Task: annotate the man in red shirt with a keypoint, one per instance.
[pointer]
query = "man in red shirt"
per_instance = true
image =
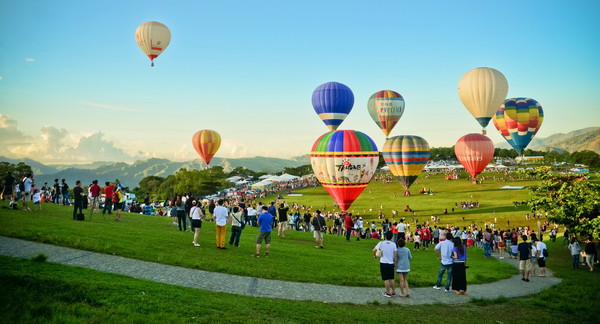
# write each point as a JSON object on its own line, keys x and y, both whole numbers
{"x": 108, "y": 197}
{"x": 348, "y": 225}
{"x": 95, "y": 195}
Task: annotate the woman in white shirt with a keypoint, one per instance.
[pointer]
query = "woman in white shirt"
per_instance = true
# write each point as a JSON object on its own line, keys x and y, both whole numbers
{"x": 196, "y": 215}
{"x": 386, "y": 263}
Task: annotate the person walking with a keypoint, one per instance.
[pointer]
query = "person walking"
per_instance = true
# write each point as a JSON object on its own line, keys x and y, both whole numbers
{"x": 590, "y": 253}
{"x": 444, "y": 253}
{"x": 196, "y": 215}
{"x": 386, "y": 263}
{"x": 318, "y": 223}
{"x": 402, "y": 265}
{"x": 459, "y": 273}
{"x": 575, "y": 249}
{"x": 237, "y": 225}
{"x": 265, "y": 221}
{"x": 541, "y": 256}
{"x": 220, "y": 214}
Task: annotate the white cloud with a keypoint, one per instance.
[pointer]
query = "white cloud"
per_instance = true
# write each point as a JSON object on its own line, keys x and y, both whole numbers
{"x": 1, "y": 78}
{"x": 55, "y": 145}
{"x": 29, "y": 59}
{"x": 103, "y": 106}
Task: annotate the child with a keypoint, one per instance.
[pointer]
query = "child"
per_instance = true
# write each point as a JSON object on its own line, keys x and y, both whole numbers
{"x": 13, "y": 204}
{"x": 37, "y": 198}
{"x": 417, "y": 239}
{"x": 514, "y": 250}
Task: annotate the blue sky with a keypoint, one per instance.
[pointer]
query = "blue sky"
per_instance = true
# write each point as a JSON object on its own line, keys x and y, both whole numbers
{"x": 75, "y": 87}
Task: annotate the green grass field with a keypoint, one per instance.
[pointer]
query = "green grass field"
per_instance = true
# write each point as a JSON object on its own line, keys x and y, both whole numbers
{"x": 43, "y": 292}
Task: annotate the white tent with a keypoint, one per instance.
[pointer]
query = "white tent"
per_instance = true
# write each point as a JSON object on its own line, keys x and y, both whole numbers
{"x": 266, "y": 176}
{"x": 262, "y": 184}
{"x": 287, "y": 177}
{"x": 234, "y": 179}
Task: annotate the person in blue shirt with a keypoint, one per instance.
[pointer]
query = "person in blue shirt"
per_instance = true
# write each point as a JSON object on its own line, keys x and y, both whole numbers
{"x": 265, "y": 222}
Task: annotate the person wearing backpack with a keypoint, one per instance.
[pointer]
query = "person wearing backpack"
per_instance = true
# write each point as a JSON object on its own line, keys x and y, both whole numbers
{"x": 542, "y": 254}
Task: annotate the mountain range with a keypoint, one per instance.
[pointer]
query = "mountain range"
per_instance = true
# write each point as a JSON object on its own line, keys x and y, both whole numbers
{"x": 131, "y": 174}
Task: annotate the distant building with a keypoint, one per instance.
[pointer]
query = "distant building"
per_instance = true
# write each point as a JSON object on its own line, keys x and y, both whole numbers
{"x": 525, "y": 159}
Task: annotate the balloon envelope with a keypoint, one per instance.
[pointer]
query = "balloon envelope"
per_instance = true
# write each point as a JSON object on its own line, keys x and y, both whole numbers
{"x": 474, "y": 152}
{"x": 386, "y": 107}
{"x": 518, "y": 120}
{"x": 206, "y": 142}
{"x": 482, "y": 91}
{"x": 406, "y": 156}
{"x": 153, "y": 38}
{"x": 332, "y": 102}
{"x": 344, "y": 162}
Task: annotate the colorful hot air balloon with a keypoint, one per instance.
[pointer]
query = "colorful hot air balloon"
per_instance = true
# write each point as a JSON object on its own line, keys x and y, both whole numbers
{"x": 406, "y": 156}
{"x": 153, "y": 38}
{"x": 332, "y": 101}
{"x": 206, "y": 142}
{"x": 386, "y": 107}
{"x": 518, "y": 120}
{"x": 474, "y": 152}
{"x": 344, "y": 162}
{"x": 482, "y": 91}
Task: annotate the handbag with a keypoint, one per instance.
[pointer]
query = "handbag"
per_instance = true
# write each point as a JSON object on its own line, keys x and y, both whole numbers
{"x": 242, "y": 223}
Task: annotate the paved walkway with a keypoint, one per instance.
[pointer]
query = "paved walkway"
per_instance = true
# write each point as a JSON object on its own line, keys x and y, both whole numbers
{"x": 249, "y": 286}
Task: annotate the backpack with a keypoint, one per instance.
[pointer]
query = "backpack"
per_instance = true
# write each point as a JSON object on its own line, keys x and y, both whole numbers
{"x": 545, "y": 253}
{"x": 22, "y": 185}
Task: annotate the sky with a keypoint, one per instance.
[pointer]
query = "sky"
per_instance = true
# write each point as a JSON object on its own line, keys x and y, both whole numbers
{"x": 76, "y": 88}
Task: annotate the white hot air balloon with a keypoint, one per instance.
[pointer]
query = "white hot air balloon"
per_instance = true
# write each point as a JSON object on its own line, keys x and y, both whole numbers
{"x": 482, "y": 91}
{"x": 153, "y": 38}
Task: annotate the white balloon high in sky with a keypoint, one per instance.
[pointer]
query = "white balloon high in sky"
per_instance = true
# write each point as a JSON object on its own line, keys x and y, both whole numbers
{"x": 482, "y": 91}
{"x": 153, "y": 38}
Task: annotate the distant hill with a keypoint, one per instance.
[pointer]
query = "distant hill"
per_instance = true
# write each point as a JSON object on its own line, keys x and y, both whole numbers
{"x": 131, "y": 174}
{"x": 578, "y": 140}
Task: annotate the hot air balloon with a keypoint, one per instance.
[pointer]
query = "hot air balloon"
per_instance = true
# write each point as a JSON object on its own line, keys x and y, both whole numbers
{"x": 153, "y": 38}
{"x": 206, "y": 142}
{"x": 406, "y": 156}
{"x": 344, "y": 162}
{"x": 332, "y": 101}
{"x": 386, "y": 107}
{"x": 518, "y": 120}
{"x": 482, "y": 91}
{"x": 474, "y": 152}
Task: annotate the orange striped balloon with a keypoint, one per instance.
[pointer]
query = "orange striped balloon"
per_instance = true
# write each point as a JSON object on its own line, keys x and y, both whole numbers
{"x": 206, "y": 142}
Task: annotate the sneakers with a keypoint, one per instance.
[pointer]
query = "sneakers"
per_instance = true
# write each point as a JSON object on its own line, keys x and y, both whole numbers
{"x": 385, "y": 294}
{"x": 196, "y": 244}
{"x": 256, "y": 255}
{"x": 436, "y": 287}
{"x": 446, "y": 290}
{"x": 526, "y": 280}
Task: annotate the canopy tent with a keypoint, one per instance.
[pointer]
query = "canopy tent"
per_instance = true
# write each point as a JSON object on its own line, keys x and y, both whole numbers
{"x": 266, "y": 176}
{"x": 262, "y": 184}
{"x": 234, "y": 179}
{"x": 287, "y": 177}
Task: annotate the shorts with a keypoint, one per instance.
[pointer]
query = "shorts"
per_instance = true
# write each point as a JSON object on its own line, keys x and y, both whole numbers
{"x": 542, "y": 262}
{"x": 26, "y": 197}
{"x": 196, "y": 223}
{"x": 402, "y": 272}
{"x": 266, "y": 236}
{"x": 36, "y": 202}
{"x": 387, "y": 271}
{"x": 589, "y": 258}
{"x": 118, "y": 206}
{"x": 500, "y": 245}
{"x": 318, "y": 235}
{"x": 533, "y": 259}
{"x": 524, "y": 265}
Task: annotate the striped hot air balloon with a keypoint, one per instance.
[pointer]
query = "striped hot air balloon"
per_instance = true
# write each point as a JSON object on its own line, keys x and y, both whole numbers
{"x": 386, "y": 107}
{"x": 406, "y": 156}
{"x": 206, "y": 142}
{"x": 332, "y": 102}
{"x": 518, "y": 120}
{"x": 344, "y": 162}
{"x": 482, "y": 91}
{"x": 474, "y": 152}
{"x": 153, "y": 38}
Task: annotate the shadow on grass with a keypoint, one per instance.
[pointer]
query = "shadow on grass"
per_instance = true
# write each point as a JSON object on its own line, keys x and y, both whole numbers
{"x": 488, "y": 302}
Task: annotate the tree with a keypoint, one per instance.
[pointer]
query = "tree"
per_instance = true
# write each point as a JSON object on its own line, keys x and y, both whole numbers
{"x": 589, "y": 158}
{"x": 299, "y": 171}
{"x": 569, "y": 199}
{"x": 150, "y": 184}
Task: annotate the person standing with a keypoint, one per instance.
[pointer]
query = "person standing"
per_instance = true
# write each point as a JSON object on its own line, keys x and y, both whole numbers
{"x": 196, "y": 215}
{"x": 575, "y": 249}
{"x": 95, "y": 196}
{"x": 436, "y": 235}
{"x": 27, "y": 182}
{"x": 401, "y": 227}
{"x": 56, "y": 192}
{"x": 386, "y": 263}
{"x": 541, "y": 256}
{"x": 283, "y": 219}
{"x": 524, "y": 255}
{"x": 487, "y": 242}
{"x": 108, "y": 197}
{"x": 181, "y": 216}
{"x": 402, "y": 263}
{"x": 251, "y": 215}
{"x": 318, "y": 223}
{"x": 64, "y": 191}
{"x": 220, "y": 214}
{"x": 118, "y": 202}
{"x": 265, "y": 221}
{"x": 444, "y": 253}
{"x": 77, "y": 199}
{"x": 590, "y": 253}
{"x": 348, "y": 224}
{"x": 237, "y": 217}
{"x": 459, "y": 273}
{"x": 9, "y": 183}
